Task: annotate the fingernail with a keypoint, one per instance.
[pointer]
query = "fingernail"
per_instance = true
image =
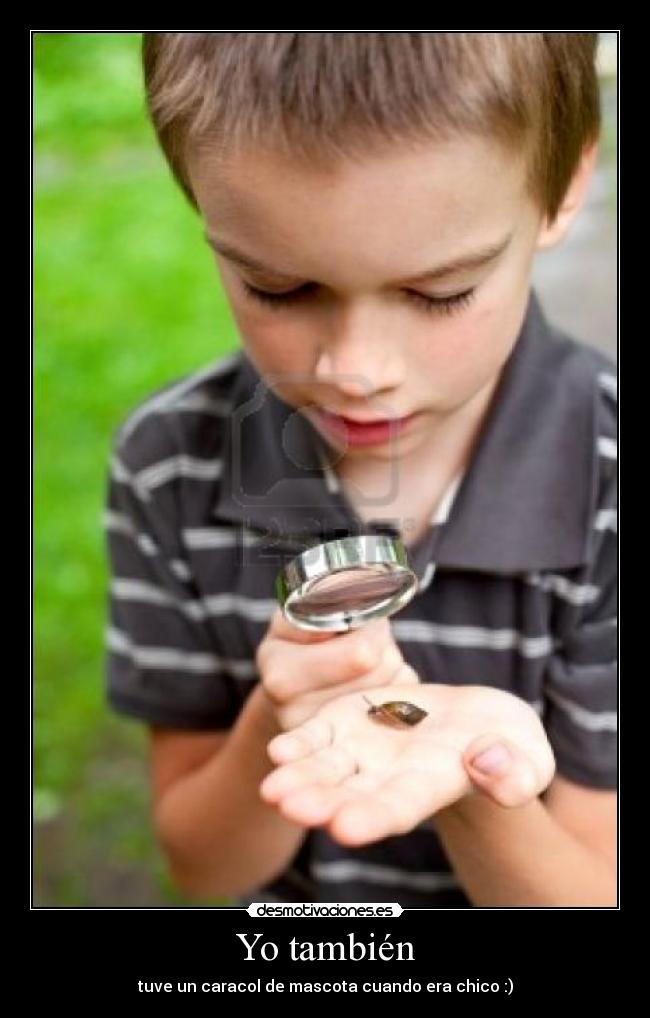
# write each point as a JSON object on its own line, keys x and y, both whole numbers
{"x": 495, "y": 760}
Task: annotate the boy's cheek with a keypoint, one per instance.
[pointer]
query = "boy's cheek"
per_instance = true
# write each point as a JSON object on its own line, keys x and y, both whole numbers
{"x": 271, "y": 347}
{"x": 470, "y": 354}
{"x": 462, "y": 350}
{"x": 491, "y": 332}
{"x": 255, "y": 330}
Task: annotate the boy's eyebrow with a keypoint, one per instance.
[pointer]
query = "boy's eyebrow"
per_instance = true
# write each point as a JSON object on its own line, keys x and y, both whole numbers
{"x": 470, "y": 261}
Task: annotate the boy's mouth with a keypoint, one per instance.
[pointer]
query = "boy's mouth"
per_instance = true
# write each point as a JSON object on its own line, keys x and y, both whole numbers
{"x": 353, "y": 433}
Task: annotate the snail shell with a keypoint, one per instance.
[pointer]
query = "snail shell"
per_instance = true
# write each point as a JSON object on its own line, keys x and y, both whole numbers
{"x": 397, "y": 713}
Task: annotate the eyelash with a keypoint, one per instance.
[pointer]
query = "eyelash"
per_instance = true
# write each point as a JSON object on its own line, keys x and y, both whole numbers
{"x": 432, "y": 305}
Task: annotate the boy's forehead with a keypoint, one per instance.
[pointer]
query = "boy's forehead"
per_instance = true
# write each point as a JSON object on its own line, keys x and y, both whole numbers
{"x": 390, "y": 217}
{"x": 452, "y": 181}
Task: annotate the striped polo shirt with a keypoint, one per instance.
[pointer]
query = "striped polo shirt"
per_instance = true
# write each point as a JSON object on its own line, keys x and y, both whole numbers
{"x": 215, "y": 483}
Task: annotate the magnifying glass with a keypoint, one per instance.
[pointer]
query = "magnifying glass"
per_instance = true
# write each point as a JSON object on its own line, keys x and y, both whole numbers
{"x": 344, "y": 583}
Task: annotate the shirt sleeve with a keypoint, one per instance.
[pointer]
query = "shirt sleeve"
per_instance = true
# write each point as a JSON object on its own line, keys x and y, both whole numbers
{"x": 163, "y": 663}
{"x": 580, "y": 693}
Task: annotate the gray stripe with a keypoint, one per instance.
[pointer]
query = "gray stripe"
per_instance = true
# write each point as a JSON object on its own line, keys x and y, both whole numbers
{"x": 166, "y": 658}
{"x": 591, "y": 721}
{"x": 146, "y": 545}
{"x": 180, "y": 569}
{"x": 165, "y": 401}
{"x": 220, "y": 537}
{"x": 122, "y": 475}
{"x": 608, "y": 448}
{"x": 606, "y": 519}
{"x": 429, "y": 573}
{"x": 178, "y": 466}
{"x": 119, "y": 472}
{"x": 200, "y": 403}
{"x": 609, "y": 384}
{"x": 119, "y": 523}
{"x": 416, "y": 631}
{"x": 573, "y": 592}
{"x": 257, "y": 610}
{"x": 605, "y": 673}
{"x": 162, "y": 657}
{"x": 139, "y": 590}
{"x": 346, "y": 871}
{"x": 240, "y": 669}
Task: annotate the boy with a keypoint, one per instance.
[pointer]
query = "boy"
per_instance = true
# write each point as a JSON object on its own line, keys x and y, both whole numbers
{"x": 374, "y": 202}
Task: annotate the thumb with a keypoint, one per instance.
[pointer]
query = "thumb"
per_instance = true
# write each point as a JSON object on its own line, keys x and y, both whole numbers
{"x": 501, "y": 771}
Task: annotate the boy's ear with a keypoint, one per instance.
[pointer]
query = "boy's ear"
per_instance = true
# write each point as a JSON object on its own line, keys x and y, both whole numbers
{"x": 552, "y": 233}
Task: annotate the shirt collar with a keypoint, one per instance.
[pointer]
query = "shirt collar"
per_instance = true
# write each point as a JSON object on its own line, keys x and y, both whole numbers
{"x": 529, "y": 494}
{"x": 524, "y": 503}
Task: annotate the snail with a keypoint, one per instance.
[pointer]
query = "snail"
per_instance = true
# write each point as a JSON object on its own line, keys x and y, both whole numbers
{"x": 396, "y": 713}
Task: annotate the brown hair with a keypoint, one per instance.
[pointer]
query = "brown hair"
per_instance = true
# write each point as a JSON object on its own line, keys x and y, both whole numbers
{"x": 327, "y": 97}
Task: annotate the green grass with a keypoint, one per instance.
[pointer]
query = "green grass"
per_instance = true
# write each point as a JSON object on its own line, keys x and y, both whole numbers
{"x": 126, "y": 298}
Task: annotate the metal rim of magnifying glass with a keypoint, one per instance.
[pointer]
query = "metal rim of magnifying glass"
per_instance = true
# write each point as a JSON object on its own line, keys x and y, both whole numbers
{"x": 300, "y": 576}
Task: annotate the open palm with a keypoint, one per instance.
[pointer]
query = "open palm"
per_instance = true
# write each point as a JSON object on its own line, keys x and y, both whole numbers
{"x": 365, "y": 780}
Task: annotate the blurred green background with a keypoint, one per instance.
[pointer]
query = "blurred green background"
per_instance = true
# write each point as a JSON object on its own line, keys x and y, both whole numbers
{"x": 126, "y": 298}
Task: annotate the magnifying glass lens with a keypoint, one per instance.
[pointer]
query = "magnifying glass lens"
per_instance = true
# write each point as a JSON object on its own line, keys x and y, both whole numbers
{"x": 344, "y": 584}
{"x": 350, "y": 591}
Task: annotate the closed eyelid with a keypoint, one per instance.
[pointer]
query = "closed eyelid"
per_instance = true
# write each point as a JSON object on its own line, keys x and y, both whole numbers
{"x": 279, "y": 300}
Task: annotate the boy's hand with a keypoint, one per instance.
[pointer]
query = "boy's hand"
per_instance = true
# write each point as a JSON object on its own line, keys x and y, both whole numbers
{"x": 363, "y": 780}
{"x": 301, "y": 671}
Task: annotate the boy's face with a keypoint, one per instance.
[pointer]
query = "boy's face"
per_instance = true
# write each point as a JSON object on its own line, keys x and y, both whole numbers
{"x": 366, "y": 245}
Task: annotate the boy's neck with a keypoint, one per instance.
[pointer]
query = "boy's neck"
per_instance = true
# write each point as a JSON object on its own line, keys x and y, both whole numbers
{"x": 423, "y": 476}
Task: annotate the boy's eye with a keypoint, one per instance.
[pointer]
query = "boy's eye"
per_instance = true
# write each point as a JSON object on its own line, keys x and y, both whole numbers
{"x": 444, "y": 305}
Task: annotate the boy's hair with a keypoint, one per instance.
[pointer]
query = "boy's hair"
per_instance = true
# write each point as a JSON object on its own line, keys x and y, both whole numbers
{"x": 327, "y": 97}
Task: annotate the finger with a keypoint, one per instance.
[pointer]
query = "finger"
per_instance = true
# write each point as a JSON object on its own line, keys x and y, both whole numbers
{"x": 314, "y": 805}
{"x": 281, "y": 628}
{"x": 326, "y": 768}
{"x": 395, "y": 806}
{"x": 374, "y": 683}
{"x": 315, "y": 734}
{"x": 503, "y": 771}
{"x": 290, "y": 669}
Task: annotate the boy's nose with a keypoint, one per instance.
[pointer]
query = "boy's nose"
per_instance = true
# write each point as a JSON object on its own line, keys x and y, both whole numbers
{"x": 360, "y": 359}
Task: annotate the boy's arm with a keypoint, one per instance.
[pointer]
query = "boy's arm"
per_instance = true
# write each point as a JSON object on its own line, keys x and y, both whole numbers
{"x": 560, "y": 851}
{"x": 219, "y": 838}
